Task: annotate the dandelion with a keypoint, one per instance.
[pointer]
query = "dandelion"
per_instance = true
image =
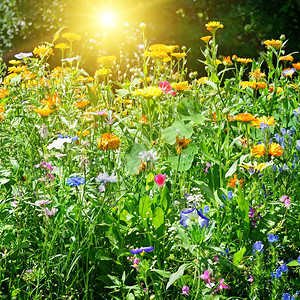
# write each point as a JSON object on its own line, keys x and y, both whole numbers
{"x": 276, "y": 44}
{"x": 75, "y": 181}
{"x": 160, "y": 180}
{"x": 185, "y": 290}
{"x": 108, "y": 141}
{"x": 193, "y": 215}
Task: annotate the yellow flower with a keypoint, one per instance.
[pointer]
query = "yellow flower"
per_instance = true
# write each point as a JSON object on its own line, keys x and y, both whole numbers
{"x": 257, "y": 75}
{"x": 227, "y": 61}
{"x": 213, "y": 26}
{"x": 179, "y": 55}
{"x": 296, "y": 66}
{"x": 148, "y": 79}
{"x": 253, "y": 84}
{"x": 14, "y": 62}
{"x": 286, "y": 58}
{"x": 256, "y": 168}
{"x": 3, "y": 93}
{"x": 244, "y": 60}
{"x": 9, "y": 77}
{"x": 202, "y": 80}
{"x": 275, "y": 149}
{"x": 181, "y": 143}
{"x": 258, "y": 150}
{"x": 148, "y": 92}
{"x": 2, "y": 107}
{"x": 52, "y": 101}
{"x": 157, "y": 54}
{"x": 43, "y": 50}
{"x": 107, "y": 61}
{"x": 17, "y": 69}
{"x": 268, "y": 121}
{"x": 44, "y": 112}
{"x": 103, "y": 72}
{"x": 245, "y": 117}
{"x": 279, "y": 89}
{"x": 62, "y": 46}
{"x": 71, "y": 36}
{"x": 108, "y": 141}
{"x": 276, "y": 44}
{"x": 163, "y": 48}
{"x": 206, "y": 38}
{"x": 81, "y": 103}
{"x": 84, "y": 133}
{"x": 180, "y": 86}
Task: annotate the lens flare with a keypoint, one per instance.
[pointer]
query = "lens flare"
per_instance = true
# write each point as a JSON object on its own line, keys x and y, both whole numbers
{"x": 107, "y": 18}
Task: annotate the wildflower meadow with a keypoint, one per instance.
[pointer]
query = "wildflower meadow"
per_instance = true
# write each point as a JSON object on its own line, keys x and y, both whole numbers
{"x": 149, "y": 181}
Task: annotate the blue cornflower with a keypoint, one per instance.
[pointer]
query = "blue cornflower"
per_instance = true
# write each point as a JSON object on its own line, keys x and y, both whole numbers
{"x": 141, "y": 250}
{"x": 206, "y": 209}
{"x": 223, "y": 196}
{"x": 277, "y": 137}
{"x": 272, "y": 238}
{"x": 230, "y": 195}
{"x": 278, "y": 273}
{"x": 274, "y": 168}
{"x": 284, "y": 268}
{"x": 286, "y": 296}
{"x": 193, "y": 215}
{"x": 258, "y": 247}
{"x": 75, "y": 181}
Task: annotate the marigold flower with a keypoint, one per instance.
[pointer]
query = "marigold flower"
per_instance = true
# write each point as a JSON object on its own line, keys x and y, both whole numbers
{"x": 157, "y": 54}
{"x": 2, "y": 107}
{"x": 276, "y": 44}
{"x": 245, "y": 117}
{"x": 52, "y": 101}
{"x": 148, "y": 92}
{"x": 257, "y": 75}
{"x": 275, "y": 149}
{"x": 213, "y": 26}
{"x": 258, "y": 150}
{"x": 70, "y": 36}
{"x": 267, "y": 121}
{"x": 43, "y": 50}
{"x": 233, "y": 181}
{"x": 17, "y": 69}
{"x": 14, "y": 62}
{"x": 181, "y": 143}
{"x": 296, "y": 66}
{"x": 107, "y": 61}
{"x": 179, "y": 55}
{"x": 286, "y": 58}
{"x": 206, "y": 38}
{"x": 202, "y": 80}
{"x": 3, "y": 93}
{"x": 108, "y": 141}
{"x": 81, "y": 103}
{"x": 244, "y": 60}
{"x": 44, "y": 112}
{"x": 180, "y": 86}
{"x": 227, "y": 60}
{"x": 253, "y": 84}
{"x": 163, "y": 48}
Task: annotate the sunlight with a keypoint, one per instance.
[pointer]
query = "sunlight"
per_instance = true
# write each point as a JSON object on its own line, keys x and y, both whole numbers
{"x": 107, "y": 18}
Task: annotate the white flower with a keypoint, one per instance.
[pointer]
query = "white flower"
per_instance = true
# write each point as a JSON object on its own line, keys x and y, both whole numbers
{"x": 56, "y": 144}
{"x": 149, "y": 157}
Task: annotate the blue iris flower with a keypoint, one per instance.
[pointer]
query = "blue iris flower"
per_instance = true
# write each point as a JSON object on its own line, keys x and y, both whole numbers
{"x": 75, "y": 181}
{"x": 193, "y": 215}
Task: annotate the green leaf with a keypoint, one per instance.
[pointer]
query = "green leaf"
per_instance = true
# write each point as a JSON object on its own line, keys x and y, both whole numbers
{"x": 293, "y": 263}
{"x": 231, "y": 170}
{"x": 177, "y": 275}
{"x": 122, "y": 92}
{"x": 144, "y": 208}
{"x": 150, "y": 181}
{"x": 158, "y": 218}
{"x": 238, "y": 256}
{"x": 177, "y": 128}
{"x": 186, "y": 159}
{"x": 132, "y": 160}
{"x": 163, "y": 273}
{"x": 189, "y": 110}
{"x": 126, "y": 216}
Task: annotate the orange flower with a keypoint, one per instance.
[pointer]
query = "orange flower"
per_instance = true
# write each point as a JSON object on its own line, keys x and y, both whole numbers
{"x": 275, "y": 149}
{"x": 276, "y": 44}
{"x": 296, "y": 66}
{"x": 233, "y": 181}
{"x": 267, "y": 121}
{"x": 181, "y": 144}
{"x": 286, "y": 58}
{"x": 143, "y": 119}
{"x": 52, "y": 101}
{"x": 3, "y": 93}
{"x": 246, "y": 118}
{"x": 206, "y": 38}
{"x": 258, "y": 150}
{"x": 257, "y": 75}
{"x": 271, "y": 89}
{"x": 43, "y": 50}
{"x": 213, "y": 25}
{"x": 2, "y": 107}
{"x": 44, "y": 112}
{"x": 108, "y": 141}
{"x": 180, "y": 86}
{"x": 227, "y": 61}
{"x": 253, "y": 84}
{"x": 81, "y": 103}
{"x": 244, "y": 60}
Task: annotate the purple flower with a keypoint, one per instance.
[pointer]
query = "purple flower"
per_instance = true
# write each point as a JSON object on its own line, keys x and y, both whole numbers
{"x": 278, "y": 273}
{"x": 136, "y": 263}
{"x": 75, "y": 181}
{"x": 50, "y": 212}
{"x": 230, "y": 195}
{"x": 206, "y": 209}
{"x": 258, "y": 247}
{"x": 141, "y": 250}
{"x": 185, "y": 290}
{"x": 104, "y": 177}
{"x": 42, "y": 202}
{"x": 193, "y": 215}
{"x": 21, "y": 55}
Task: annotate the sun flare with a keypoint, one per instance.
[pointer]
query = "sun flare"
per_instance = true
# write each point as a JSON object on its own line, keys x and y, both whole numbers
{"x": 107, "y": 18}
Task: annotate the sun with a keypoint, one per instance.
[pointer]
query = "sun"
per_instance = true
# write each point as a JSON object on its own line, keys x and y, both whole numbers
{"x": 107, "y": 19}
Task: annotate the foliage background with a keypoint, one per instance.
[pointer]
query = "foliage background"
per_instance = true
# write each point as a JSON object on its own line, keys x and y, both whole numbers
{"x": 25, "y": 24}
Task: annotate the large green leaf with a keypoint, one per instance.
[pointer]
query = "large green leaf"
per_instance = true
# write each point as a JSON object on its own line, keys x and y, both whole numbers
{"x": 188, "y": 110}
{"x": 158, "y": 219}
{"x": 144, "y": 208}
{"x": 132, "y": 160}
{"x": 177, "y": 275}
{"x": 186, "y": 158}
{"x": 177, "y": 128}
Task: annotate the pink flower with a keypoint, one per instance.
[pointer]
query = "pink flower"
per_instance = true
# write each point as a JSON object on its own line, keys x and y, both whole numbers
{"x": 221, "y": 286}
{"x": 136, "y": 263}
{"x": 208, "y": 165}
{"x": 160, "y": 179}
{"x": 205, "y": 277}
{"x": 166, "y": 88}
{"x": 250, "y": 279}
{"x": 42, "y": 202}
{"x": 286, "y": 200}
{"x": 185, "y": 290}
{"x": 205, "y": 170}
{"x": 50, "y": 212}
